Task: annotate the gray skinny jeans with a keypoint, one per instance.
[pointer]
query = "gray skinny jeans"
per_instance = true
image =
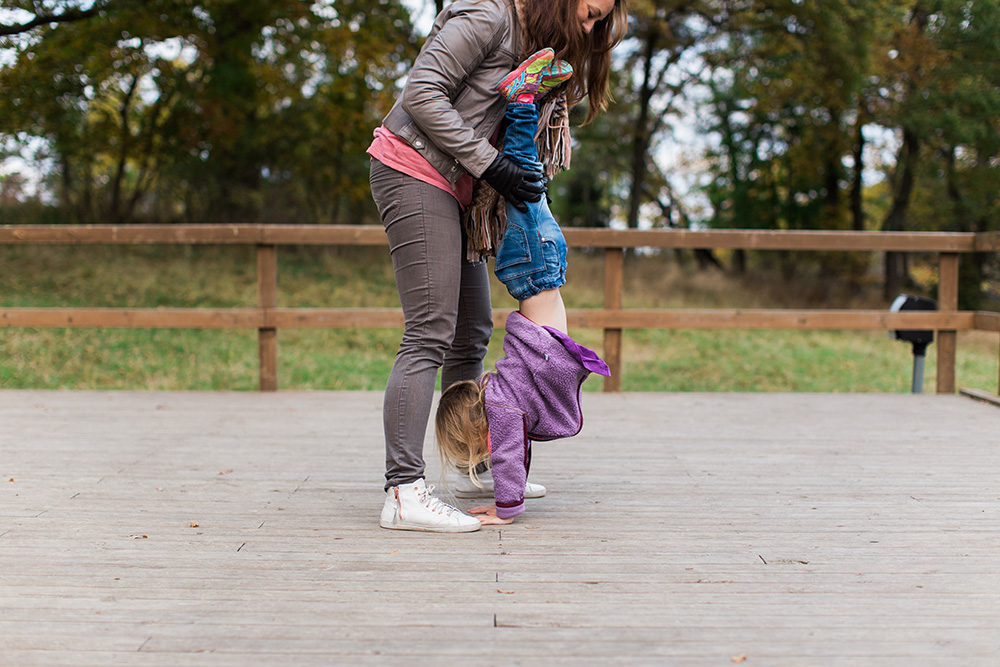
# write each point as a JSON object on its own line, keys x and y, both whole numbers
{"x": 446, "y": 310}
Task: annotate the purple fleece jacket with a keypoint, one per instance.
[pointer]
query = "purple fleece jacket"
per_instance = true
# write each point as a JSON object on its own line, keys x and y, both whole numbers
{"x": 533, "y": 395}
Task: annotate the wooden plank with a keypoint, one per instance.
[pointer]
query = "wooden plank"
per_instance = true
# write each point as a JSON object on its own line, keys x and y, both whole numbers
{"x": 987, "y": 321}
{"x": 336, "y": 318}
{"x": 980, "y": 395}
{"x": 280, "y": 318}
{"x": 769, "y": 319}
{"x": 350, "y": 235}
{"x": 129, "y": 234}
{"x": 947, "y": 339}
{"x": 578, "y": 237}
{"x": 783, "y": 531}
{"x": 772, "y": 240}
{"x": 614, "y": 280}
{"x": 133, "y": 318}
{"x": 267, "y": 298}
{"x": 238, "y": 234}
{"x": 987, "y": 242}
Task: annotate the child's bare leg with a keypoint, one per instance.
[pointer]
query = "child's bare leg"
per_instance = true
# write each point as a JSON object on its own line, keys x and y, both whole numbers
{"x": 546, "y": 309}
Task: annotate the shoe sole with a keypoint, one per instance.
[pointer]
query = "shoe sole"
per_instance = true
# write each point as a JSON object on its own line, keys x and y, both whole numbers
{"x": 546, "y": 87}
{"x": 431, "y": 529}
{"x": 473, "y": 494}
{"x": 467, "y": 495}
{"x": 544, "y": 56}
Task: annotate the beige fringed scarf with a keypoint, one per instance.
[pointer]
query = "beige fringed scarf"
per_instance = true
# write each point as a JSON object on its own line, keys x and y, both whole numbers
{"x": 486, "y": 217}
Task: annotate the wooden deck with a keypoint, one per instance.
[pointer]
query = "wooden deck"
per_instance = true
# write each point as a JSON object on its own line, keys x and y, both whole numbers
{"x": 679, "y": 529}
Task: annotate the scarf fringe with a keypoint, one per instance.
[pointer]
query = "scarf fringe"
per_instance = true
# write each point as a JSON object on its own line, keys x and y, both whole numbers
{"x": 553, "y": 139}
{"x": 485, "y": 222}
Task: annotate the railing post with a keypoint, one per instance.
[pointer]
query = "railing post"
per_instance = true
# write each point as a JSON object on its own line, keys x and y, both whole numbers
{"x": 267, "y": 297}
{"x": 614, "y": 265}
{"x": 947, "y": 340}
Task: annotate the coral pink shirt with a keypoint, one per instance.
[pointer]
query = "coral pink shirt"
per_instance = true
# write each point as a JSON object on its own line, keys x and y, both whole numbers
{"x": 393, "y": 152}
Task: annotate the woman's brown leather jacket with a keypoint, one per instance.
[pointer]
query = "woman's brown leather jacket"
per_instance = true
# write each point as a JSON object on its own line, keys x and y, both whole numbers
{"x": 449, "y": 110}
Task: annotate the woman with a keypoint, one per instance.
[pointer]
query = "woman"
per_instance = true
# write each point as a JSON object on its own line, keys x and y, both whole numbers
{"x": 435, "y": 147}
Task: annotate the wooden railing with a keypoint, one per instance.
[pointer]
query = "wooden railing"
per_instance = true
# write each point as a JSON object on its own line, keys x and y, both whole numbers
{"x": 267, "y": 318}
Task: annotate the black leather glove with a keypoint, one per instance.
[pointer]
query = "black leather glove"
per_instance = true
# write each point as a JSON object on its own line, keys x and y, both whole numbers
{"x": 514, "y": 183}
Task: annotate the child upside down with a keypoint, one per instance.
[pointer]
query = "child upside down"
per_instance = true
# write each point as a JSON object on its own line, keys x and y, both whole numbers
{"x": 534, "y": 394}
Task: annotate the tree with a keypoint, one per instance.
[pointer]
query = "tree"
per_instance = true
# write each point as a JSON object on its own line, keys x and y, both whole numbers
{"x": 39, "y": 13}
{"x": 953, "y": 107}
{"x": 664, "y": 36}
{"x": 218, "y": 108}
{"x": 790, "y": 93}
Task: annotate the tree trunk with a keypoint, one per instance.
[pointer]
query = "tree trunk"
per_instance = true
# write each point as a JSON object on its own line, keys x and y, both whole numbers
{"x": 232, "y": 94}
{"x": 125, "y": 139}
{"x": 971, "y": 269}
{"x": 739, "y": 261}
{"x": 640, "y": 141}
{"x": 832, "y": 169}
{"x": 895, "y": 220}
{"x": 65, "y": 184}
{"x": 706, "y": 259}
{"x": 857, "y": 184}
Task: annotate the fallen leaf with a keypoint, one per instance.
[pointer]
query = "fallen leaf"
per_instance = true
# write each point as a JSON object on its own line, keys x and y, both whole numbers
{"x": 740, "y": 658}
{"x": 505, "y": 592}
{"x": 226, "y": 472}
{"x": 11, "y": 479}
{"x": 194, "y": 524}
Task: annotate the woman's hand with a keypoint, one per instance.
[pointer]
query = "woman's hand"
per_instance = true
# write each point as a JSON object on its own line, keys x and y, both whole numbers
{"x": 515, "y": 183}
{"x": 489, "y": 516}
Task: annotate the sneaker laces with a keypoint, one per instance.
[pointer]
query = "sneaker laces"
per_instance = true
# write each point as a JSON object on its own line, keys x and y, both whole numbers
{"x": 435, "y": 504}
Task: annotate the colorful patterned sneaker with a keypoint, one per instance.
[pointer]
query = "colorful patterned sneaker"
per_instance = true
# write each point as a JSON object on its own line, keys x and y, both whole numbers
{"x": 556, "y": 74}
{"x": 525, "y": 79}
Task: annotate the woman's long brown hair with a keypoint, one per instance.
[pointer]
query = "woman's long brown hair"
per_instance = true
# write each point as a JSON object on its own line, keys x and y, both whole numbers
{"x": 554, "y": 23}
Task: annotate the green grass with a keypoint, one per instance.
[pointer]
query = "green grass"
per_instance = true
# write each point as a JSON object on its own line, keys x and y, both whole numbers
{"x": 655, "y": 360}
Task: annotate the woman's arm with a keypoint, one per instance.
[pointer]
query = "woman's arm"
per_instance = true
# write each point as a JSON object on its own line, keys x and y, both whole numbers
{"x": 443, "y": 68}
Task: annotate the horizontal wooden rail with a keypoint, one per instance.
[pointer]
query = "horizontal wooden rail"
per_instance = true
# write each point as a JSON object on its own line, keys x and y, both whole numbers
{"x": 134, "y": 318}
{"x": 597, "y": 318}
{"x": 576, "y": 237}
{"x": 267, "y": 318}
{"x": 987, "y": 321}
{"x": 803, "y": 320}
{"x": 988, "y": 242}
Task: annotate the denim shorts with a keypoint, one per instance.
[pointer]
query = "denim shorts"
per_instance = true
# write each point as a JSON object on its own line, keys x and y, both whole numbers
{"x": 531, "y": 257}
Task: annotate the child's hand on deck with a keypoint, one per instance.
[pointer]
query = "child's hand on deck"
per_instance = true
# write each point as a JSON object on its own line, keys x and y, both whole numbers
{"x": 489, "y": 516}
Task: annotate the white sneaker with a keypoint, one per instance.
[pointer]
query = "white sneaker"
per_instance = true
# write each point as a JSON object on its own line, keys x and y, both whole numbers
{"x": 464, "y": 488}
{"x": 412, "y": 507}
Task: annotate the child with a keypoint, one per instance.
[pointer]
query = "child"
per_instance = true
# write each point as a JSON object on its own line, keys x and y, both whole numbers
{"x": 534, "y": 394}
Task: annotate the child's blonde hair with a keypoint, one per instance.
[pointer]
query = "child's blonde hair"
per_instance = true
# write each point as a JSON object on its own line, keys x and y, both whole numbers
{"x": 461, "y": 427}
